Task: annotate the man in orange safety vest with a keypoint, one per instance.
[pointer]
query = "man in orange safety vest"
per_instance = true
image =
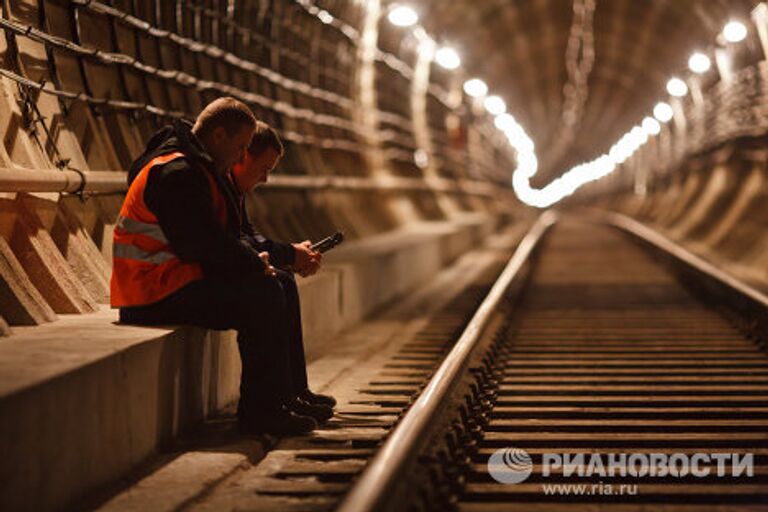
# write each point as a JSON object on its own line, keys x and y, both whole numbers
{"x": 181, "y": 256}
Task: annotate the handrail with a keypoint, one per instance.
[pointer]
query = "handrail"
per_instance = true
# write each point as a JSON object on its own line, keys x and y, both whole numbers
{"x": 375, "y": 484}
{"x": 63, "y": 181}
{"x": 70, "y": 181}
{"x": 699, "y": 264}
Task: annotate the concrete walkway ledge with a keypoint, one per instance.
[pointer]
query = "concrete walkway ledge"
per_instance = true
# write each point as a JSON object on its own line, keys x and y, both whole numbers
{"x": 84, "y": 400}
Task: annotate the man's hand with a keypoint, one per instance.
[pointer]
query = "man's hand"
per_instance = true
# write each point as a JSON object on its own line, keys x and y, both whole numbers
{"x": 269, "y": 270}
{"x": 307, "y": 261}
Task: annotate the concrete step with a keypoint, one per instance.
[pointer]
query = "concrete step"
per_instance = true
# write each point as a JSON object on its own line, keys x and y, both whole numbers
{"x": 83, "y": 400}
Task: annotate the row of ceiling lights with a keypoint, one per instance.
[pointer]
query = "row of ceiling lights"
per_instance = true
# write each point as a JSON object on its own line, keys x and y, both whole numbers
{"x": 448, "y": 58}
{"x": 404, "y": 16}
{"x": 699, "y": 63}
{"x": 733, "y": 32}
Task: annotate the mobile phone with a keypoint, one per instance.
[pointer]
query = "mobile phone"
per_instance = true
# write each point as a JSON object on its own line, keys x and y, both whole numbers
{"x": 328, "y": 242}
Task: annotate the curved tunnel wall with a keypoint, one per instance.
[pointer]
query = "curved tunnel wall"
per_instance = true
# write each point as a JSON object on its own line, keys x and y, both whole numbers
{"x": 715, "y": 206}
{"x": 377, "y": 137}
{"x": 702, "y": 181}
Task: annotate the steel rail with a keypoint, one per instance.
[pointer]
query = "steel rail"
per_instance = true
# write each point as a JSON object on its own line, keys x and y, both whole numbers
{"x": 700, "y": 265}
{"x": 379, "y": 477}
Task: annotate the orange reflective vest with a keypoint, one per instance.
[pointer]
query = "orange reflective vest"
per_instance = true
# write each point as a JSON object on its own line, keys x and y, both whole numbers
{"x": 144, "y": 267}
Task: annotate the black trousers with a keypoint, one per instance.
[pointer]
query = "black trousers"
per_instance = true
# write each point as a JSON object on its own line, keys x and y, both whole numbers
{"x": 266, "y": 313}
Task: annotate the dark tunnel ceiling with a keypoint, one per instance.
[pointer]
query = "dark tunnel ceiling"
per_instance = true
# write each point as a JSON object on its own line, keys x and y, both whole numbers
{"x": 518, "y": 47}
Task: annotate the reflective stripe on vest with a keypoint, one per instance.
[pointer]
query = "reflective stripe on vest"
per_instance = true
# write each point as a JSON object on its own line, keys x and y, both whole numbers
{"x": 131, "y": 252}
{"x": 145, "y": 268}
{"x": 136, "y": 227}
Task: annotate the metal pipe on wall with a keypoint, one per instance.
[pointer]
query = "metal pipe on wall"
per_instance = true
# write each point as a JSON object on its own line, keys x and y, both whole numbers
{"x": 63, "y": 181}
{"x": 69, "y": 181}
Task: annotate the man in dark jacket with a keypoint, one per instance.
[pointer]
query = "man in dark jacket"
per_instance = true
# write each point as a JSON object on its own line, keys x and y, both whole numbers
{"x": 181, "y": 256}
{"x": 263, "y": 153}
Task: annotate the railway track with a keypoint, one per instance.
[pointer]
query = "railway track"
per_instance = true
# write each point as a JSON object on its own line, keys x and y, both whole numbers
{"x": 526, "y": 390}
{"x": 609, "y": 354}
{"x": 604, "y": 353}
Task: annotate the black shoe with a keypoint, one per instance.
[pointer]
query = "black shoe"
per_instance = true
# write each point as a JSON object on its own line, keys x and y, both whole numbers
{"x": 280, "y": 421}
{"x": 317, "y": 399}
{"x": 318, "y": 412}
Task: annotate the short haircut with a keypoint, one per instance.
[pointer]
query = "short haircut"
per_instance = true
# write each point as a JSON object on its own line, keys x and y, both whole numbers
{"x": 227, "y": 112}
{"x": 264, "y": 137}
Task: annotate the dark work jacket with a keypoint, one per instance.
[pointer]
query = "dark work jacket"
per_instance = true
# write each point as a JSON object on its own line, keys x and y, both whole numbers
{"x": 179, "y": 195}
{"x": 280, "y": 254}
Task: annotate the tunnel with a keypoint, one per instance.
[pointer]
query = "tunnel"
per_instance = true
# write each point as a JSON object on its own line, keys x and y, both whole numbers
{"x": 548, "y": 288}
